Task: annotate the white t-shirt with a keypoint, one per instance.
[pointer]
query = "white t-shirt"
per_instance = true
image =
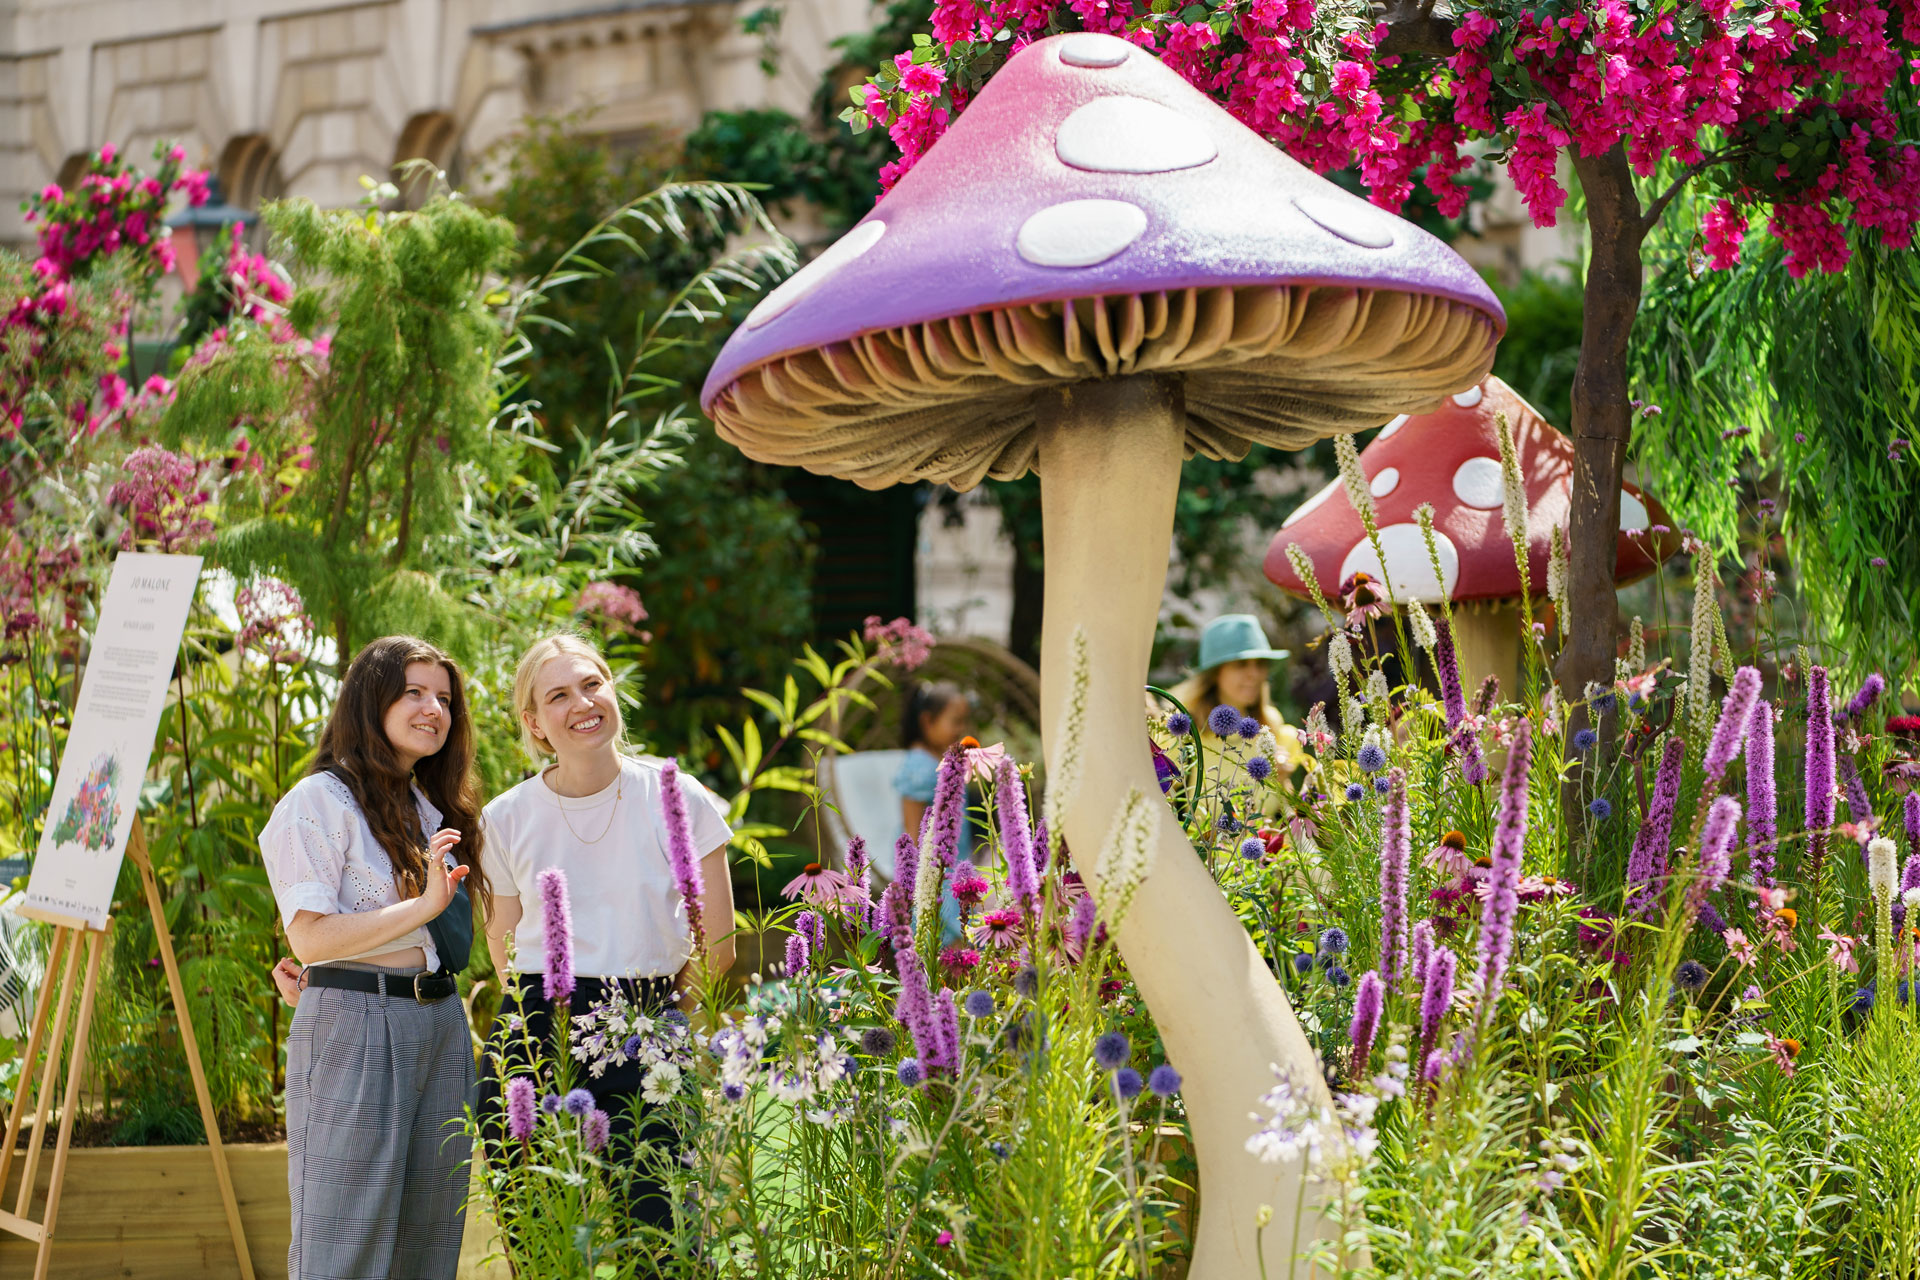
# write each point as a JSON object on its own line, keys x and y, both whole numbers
{"x": 628, "y": 916}
{"x": 321, "y": 856}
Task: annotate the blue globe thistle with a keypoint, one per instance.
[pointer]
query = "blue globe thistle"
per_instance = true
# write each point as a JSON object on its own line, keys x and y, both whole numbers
{"x": 1248, "y": 728}
{"x": 1026, "y": 982}
{"x": 1259, "y": 768}
{"x": 1863, "y": 999}
{"x": 577, "y": 1102}
{"x": 1690, "y": 976}
{"x": 1302, "y": 962}
{"x": 1585, "y": 740}
{"x": 1601, "y": 808}
{"x": 1333, "y": 941}
{"x": 1605, "y": 702}
{"x": 1372, "y": 757}
{"x": 1111, "y": 1050}
{"x": 878, "y": 1041}
{"x": 1356, "y": 792}
{"x": 1227, "y": 822}
{"x": 1252, "y": 849}
{"x": 979, "y": 1004}
{"x": 1127, "y": 1083}
{"x": 1179, "y": 724}
{"x": 550, "y": 1104}
{"x": 1382, "y": 786}
{"x": 1225, "y": 721}
{"x": 1636, "y": 700}
{"x": 1337, "y": 976}
{"x": 1163, "y": 1080}
{"x": 910, "y": 1072}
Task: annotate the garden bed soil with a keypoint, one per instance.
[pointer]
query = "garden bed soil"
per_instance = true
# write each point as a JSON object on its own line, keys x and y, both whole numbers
{"x": 154, "y": 1213}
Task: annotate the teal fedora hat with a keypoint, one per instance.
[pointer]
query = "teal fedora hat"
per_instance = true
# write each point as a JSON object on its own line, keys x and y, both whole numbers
{"x": 1232, "y": 637}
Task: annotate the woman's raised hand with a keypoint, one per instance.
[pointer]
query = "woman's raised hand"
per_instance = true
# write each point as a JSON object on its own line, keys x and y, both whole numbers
{"x": 441, "y": 882}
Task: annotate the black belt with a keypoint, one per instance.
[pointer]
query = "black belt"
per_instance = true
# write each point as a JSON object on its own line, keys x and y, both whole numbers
{"x": 423, "y": 987}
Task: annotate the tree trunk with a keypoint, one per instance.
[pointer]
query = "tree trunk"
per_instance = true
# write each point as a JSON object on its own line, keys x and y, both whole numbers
{"x": 1602, "y": 419}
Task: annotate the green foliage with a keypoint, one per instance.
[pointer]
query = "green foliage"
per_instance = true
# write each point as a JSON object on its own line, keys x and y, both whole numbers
{"x": 1769, "y": 385}
{"x": 1542, "y": 347}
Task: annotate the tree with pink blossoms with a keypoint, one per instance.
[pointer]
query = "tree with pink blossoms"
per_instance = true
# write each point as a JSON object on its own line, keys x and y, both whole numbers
{"x": 1795, "y": 113}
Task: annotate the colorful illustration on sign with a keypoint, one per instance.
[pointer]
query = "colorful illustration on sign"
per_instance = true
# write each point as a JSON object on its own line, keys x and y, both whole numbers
{"x": 95, "y": 811}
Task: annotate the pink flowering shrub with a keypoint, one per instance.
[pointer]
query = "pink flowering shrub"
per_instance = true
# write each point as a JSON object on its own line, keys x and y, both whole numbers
{"x": 901, "y": 643}
{"x": 1794, "y": 108}
{"x": 163, "y": 498}
{"x": 617, "y": 607}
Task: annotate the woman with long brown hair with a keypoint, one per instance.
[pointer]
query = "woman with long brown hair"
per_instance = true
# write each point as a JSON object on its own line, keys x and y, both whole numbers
{"x": 371, "y": 857}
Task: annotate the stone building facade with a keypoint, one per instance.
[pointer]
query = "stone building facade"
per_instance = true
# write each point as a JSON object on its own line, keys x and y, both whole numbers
{"x": 302, "y": 97}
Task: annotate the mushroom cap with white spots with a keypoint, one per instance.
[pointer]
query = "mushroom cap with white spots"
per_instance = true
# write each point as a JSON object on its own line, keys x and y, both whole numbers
{"x": 1091, "y": 214}
{"x": 1451, "y": 458}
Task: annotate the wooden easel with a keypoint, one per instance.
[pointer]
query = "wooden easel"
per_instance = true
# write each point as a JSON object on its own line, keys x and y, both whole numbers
{"x": 71, "y": 936}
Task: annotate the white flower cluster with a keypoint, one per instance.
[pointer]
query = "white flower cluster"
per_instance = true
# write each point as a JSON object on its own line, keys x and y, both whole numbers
{"x": 800, "y": 1067}
{"x": 615, "y": 1032}
{"x": 1331, "y": 1139}
{"x": 1559, "y": 1156}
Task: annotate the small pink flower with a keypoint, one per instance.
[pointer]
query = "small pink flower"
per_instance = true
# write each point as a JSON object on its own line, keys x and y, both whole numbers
{"x": 983, "y": 763}
{"x": 998, "y": 929}
{"x": 1746, "y": 953}
{"x": 1840, "y": 948}
{"x": 821, "y": 885}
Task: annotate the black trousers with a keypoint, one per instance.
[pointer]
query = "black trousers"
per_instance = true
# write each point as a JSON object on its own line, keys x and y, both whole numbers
{"x": 638, "y": 1193}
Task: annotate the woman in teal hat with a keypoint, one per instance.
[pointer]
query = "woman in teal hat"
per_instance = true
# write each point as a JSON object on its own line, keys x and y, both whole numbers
{"x": 1235, "y": 665}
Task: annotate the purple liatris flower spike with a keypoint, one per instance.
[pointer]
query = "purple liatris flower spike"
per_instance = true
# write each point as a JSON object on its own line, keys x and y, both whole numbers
{"x": 682, "y": 857}
{"x": 810, "y": 926}
{"x": 946, "y": 1022}
{"x": 906, "y": 871}
{"x": 798, "y": 953}
{"x": 1859, "y": 808}
{"x": 1763, "y": 814}
{"x": 914, "y": 1005}
{"x": 1446, "y": 664}
{"x": 1040, "y": 847}
{"x": 1648, "y": 859}
{"x": 1716, "y": 853}
{"x": 1436, "y": 996}
{"x": 1910, "y": 878}
{"x": 520, "y": 1108}
{"x": 1016, "y": 838}
{"x": 1729, "y": 733}
{"x": 557, "y": 922}
{"x": 1396, "y": 838}
{"x": 1819, "y": 769}
{"x": 1080, "y": 926}
{"x": 596, "y": 1128}
{"x": 1422, "y": 954}
{"x": 948, "y": 811}
{"x": 860, "y": 913}
{"x": 1369, "y": 995}
{"x": 1503, "y": 880}
{"x": 1862, "y": 701}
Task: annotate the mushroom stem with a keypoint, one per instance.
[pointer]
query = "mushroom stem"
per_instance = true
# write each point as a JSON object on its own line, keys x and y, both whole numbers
{"x": 1109, "y": 462}
{"x": 1486, "y": 639}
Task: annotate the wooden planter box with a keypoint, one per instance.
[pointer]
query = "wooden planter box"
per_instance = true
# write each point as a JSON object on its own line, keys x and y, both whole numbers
{"x": 153, "y": 1213}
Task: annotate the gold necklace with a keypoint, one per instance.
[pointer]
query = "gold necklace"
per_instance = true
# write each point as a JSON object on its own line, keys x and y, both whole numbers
{"x": 618, "y": 791}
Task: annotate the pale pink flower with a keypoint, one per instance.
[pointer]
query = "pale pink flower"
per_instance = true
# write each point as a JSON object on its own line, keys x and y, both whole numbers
{"x": 983, "y": 763}
{"x": 1746, "y": 953}
{"x": 1840, "y": 947}
{"x": 822, "y": 886}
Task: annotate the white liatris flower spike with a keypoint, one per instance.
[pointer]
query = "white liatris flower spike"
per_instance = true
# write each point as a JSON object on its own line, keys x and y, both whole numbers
{"x": 1912, "y": 899}
{"x": 1067, "y": 749}
{"x": 1423, "y": 514}
{"x": 1883, "y": 868}
{"x": 1637, "y": 646}
{"x": 1126, "y": 857}
{"x": 1303, "y": 565}
{"x": 1353, "y": 714}
{"x": 1377, "y": 686}
{"x": 1723, "y": 652}
{"x": 1354, "y": 480}
{"x": 1557, "y": 576}
{"x": 1700, "y": 655}
{"x": 1514, "y": 505}
{"x": 1422, "y": 625}
{"x": 1340, "y": 657}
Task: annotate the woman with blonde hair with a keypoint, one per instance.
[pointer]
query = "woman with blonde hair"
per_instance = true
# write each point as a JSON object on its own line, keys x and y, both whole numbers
{"x": 594, "y": 811}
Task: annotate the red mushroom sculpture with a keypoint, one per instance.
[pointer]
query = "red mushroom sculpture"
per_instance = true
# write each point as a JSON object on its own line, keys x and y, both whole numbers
{"x": 1450, "y": 458}
{"x": 1095, "y": 273}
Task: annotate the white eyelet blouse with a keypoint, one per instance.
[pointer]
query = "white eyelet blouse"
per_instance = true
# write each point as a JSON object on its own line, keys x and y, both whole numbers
{"x": 321, "y": 856}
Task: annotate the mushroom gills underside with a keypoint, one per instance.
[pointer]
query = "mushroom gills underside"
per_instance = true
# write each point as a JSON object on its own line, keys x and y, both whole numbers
{"x": 952, "y": 400}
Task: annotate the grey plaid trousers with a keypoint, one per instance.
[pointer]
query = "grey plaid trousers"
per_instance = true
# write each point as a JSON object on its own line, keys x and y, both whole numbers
{"x": 376, "y": 1161}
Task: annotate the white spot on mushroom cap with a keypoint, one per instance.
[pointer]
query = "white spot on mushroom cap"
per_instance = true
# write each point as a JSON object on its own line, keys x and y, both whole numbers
{"x": 1633, "y": 512}
{"x": 1094, "y": 49}
{"x": 1479, "y": 483}
{"x": 1310, "y": 504}
{"x": 1408, "y": 570}
{"x": 1120, "y": 133}
{"x": 1468, "y": 398}
{"x": 1392, "y": 427}
{"x": 1385, "y": 482}
{"x": 1079, "y": 233}
{"x": 816, "y": 273}
{"x": 1352, "y": 220}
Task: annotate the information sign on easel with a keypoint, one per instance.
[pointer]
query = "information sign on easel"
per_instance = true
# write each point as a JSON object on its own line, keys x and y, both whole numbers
{"x": 90, "y": 826}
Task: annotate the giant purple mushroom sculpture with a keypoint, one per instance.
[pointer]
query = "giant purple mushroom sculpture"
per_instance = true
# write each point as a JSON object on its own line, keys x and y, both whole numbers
{"x": 1095, "y": 273}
